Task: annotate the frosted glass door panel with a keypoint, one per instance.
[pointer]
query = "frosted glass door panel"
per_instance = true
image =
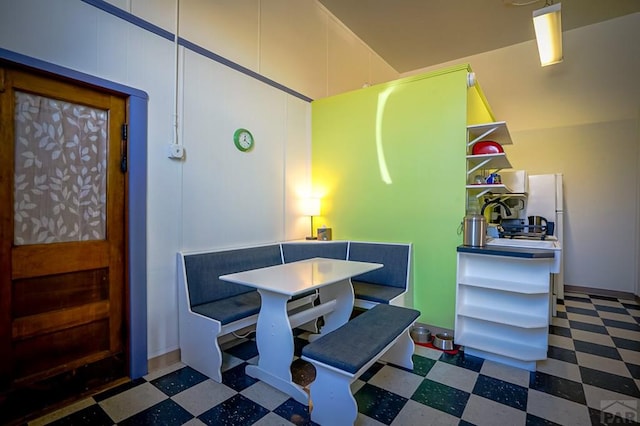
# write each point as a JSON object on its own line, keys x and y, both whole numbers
{"x": 60, "y": 171}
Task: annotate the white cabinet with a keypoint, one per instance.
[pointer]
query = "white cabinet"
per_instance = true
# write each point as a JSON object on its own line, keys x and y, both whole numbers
{"x": 484, "y": 164}
{"x": 502, "y": 307}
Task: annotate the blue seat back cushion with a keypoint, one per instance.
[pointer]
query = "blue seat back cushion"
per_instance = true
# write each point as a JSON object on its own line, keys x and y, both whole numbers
{"x": 204, "y": 269}
{"x": 394, "y": 257}
{"x": 351, "y": 346}
{"x": 375, "y": 292}
{"x": 292, "y": 252}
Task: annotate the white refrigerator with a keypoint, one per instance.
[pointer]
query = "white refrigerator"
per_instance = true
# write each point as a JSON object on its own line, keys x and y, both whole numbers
{"x": 545, "y": 199}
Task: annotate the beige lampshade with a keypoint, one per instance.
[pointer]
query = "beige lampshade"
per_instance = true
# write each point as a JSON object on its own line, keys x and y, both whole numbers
{"x": 311, "y": 207}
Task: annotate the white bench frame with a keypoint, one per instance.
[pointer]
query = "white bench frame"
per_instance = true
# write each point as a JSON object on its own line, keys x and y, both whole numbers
{"x": 333, "y": 401}
{"x": 200, "y": 335}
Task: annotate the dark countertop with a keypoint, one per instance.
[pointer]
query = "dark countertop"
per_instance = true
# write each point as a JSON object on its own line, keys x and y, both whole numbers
{"x": 526, "y": 253}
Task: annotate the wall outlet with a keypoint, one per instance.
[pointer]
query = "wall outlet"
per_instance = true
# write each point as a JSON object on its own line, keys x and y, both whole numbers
{"x": 175, "y": 151}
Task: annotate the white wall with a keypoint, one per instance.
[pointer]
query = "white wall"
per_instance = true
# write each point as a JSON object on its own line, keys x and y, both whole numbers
{"x": 297, "y": 43}
{"x": 231, "y": 197}
{"x": 579, "y": 118}
{"x": 217, "y": 196}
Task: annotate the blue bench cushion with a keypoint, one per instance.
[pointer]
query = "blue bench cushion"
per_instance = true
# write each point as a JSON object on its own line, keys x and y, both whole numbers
{"x": 292, "y": 252}
{"x": 204, "y": 269}
{"x": 375, "y": 292}
{"x": 394, "y": 257}
{"x": 232, "y": 308}
{"x": 354, "y": 344}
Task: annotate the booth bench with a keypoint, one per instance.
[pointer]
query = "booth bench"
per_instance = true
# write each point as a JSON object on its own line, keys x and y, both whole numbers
{"x": 341, "y": 356}
{"x": 210, "y": 308}
{"x": 389, "y": 285}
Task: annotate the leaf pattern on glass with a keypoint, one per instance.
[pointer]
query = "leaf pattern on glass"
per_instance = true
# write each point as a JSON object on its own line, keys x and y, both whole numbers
{"x": 60, "y": 171}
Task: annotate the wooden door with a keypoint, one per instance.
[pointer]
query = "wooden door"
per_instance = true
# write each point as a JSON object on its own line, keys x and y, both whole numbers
{"x": 62, "y": 240}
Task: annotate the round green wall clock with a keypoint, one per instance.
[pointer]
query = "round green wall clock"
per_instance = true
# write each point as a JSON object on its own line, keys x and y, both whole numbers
{"x": 243, "y": 139}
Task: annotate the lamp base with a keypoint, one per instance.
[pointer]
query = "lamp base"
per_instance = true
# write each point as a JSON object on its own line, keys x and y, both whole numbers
{"x": 312, "y": 238}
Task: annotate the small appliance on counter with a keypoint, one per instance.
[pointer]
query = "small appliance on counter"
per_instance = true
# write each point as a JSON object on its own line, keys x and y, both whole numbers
{"x": 501, "y": 209}
{"x": 474, "y": 230}
{"x": 534, "y": 228}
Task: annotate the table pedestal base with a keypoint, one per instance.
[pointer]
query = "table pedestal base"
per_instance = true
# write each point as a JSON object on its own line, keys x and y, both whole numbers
{"x": 292, "y": 389}
{"x": 274, "y": 336}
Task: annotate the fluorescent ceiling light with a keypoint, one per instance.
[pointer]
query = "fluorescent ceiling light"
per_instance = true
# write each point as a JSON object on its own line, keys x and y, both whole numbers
{"x": 548, "y": 25}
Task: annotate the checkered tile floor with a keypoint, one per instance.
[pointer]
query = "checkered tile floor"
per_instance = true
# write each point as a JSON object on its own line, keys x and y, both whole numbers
{"x": 592, "y": 376}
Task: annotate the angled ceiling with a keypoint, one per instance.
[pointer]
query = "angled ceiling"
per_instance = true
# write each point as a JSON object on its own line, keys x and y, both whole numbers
{"x": 413, "y": 34}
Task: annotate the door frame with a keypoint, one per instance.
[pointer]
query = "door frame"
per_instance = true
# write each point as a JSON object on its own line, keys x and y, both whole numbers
{"x": 136, "y": 215}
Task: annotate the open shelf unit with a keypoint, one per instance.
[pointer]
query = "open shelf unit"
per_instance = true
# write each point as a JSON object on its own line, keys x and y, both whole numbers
{"x": 502, "y": 307}
{"x": 496, "y": 131}
{"x": 484, "y": 164}
{"x": 502, "y": 284}
{"x": 487, "y": 161}
{"x": 511, "y": 349}
{"x": 512, "y": 307}
{"x": 495, "y": 188}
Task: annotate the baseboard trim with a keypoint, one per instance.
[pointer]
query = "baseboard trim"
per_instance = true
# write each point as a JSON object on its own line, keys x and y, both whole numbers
{"x": 601, "y": 292}
{"x": 163, "y": 361}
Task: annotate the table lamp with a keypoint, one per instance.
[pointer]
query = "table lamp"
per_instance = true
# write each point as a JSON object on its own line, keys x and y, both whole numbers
{"x": 312, "y": 208}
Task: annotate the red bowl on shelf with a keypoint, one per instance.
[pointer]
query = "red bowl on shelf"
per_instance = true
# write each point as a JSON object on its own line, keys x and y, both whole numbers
{"x": 486, "y": 147}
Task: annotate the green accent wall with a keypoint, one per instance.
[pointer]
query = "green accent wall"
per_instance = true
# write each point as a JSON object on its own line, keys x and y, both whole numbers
{"x": 389, "y": 164}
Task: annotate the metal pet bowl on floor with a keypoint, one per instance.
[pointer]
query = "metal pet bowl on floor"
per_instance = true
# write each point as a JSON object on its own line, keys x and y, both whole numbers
{"x": 443, "y": 341}
{"x": 420, "y": 334}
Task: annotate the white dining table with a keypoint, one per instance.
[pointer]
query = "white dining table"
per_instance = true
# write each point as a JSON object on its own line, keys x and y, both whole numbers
{"x": 274, "y": 329}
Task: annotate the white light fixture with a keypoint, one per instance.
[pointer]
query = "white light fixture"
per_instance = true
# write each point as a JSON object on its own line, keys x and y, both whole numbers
{"x": 311, "y": 208}
{"x": 548, "y": 25}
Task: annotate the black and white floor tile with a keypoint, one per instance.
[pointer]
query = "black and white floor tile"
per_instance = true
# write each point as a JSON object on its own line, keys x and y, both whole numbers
{"x": 591, "y": 376}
